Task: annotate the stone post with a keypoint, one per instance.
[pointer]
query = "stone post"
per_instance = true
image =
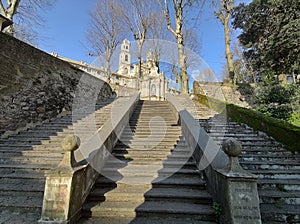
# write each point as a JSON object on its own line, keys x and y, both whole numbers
{"x": 58, "y": 187}
{"x": 239, "y": 195}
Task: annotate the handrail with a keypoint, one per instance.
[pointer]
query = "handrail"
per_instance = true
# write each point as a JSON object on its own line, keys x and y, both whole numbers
{"x": 68, "y": 185}
{"x": 225, "y": 177}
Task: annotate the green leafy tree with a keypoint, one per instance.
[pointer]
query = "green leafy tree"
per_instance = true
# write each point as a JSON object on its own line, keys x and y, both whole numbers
{"x": 270, "y": 34}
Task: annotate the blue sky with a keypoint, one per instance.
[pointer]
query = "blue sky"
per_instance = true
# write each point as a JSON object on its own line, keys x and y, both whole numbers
{"x": 67, "y": 22}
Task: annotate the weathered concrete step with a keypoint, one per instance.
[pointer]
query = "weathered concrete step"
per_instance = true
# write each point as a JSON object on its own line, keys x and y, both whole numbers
{"x": 128, "y": 134}
{"x": 253, "y": 144}
{"x": 194, "y": 196}
{"x": 20, "y": 185}
{"x": 180, "y": 182}
{"x": 246, "y": 139}
{"x": 29, "y": 160}
{"x": 124, "y": 209}
{"x": 148, "y": 141}
{"x": 287, "y": 184}
{"x": 232, "y": 135}
{"x": 277, "y": 174}
{"x": 27, "y": 202}
{"x": 179, "y": 157}
{"x": 138, "y": 152}
{"x": 179, "y": 164}
{"x": 281, "y": 195}
{"x": 7, "y": 168}
{"x": 142, "y": 132}
{"x": 141, "y": 156}
{"x": 123, "y": 194}
{"x": 23, "y": 175}
{"x": 274, "y": 157}
{"x": 31, "y": 153}
{"x": 273, "y": 165}
{"x": 143, "y": 220}
{"x": 147, "y": 145}
{"x": 9, "y": 216}
{"x": 175, "y": 171}
{"x": 20, "y": 146}
{"x": 265, "y": 151}
{"x": 177, "y": 209}
{"x": 280, "y": 213}
{"x": 116, "y": 179}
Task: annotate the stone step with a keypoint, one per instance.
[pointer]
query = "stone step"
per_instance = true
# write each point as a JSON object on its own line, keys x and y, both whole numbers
{"x": 233, "y": 135}
{"x": 276, "y": 174}
{"x": 23, "y": 175}
{"x": 145, "y": 220}
{"x": 147, "y": 145}
{"x": 107, "y": 208}
{"x": 20, "y": 185}
{"x": 249, "y": 157}
{"x": 179, "y": 164}
{"x": 176, "y": 209}
{"x": 171, "y": 194}
{"x": 280, "y": 213}
{"x": 119, "y": 193}
{"x": 273, "y": 165}
{"x": 29, "y": 160}
{"x": 29, "y": 202}
{"x": 148, "y": 140}
{"x": 13, "y": 216}
{"x": 31, "y": 153}
{"x": 180, "y": 182}
{"x": 265, "y": 151}
{"x": 279, "y": 196}
{"x": 16, "y": 168}
{"x": 286, "y": 184}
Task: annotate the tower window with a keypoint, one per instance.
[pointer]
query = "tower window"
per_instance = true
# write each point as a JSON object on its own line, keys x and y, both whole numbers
{"x": 126, "y": 57}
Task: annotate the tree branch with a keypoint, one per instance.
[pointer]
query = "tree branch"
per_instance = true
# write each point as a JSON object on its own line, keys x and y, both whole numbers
{"x": 167, "y": 15}
{"x": 2, "y": 9}
{"x": 14, "y": 5}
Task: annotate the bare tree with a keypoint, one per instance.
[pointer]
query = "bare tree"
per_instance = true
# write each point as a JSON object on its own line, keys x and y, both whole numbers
{"x": 137, "y": 17}
{"x": 223, "y": 11}
{"x": 176, "y": 28}
{"x": 106, "y": 31}
{"x": 157, "y": 33}
{"x": 26, "y": 16}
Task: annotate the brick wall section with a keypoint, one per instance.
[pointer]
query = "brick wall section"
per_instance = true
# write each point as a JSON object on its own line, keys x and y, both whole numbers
{"x": 35, "y": 86}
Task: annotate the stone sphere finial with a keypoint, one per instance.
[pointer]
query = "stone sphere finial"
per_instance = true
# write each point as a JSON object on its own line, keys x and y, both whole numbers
{"x": 232, "y": 147}
{"x": 70, "y": 143}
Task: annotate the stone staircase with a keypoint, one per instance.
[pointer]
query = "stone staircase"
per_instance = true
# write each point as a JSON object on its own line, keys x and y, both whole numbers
{"x": 26, "y": 156}
{"x": 150, "y": 176}
{"x": 198, "y": 111}
{"x": 278, "y": 169}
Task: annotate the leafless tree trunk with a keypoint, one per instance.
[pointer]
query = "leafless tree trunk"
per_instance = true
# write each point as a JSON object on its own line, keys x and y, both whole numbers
{"x": 26, "y": 16}
{"x": 179, "y": 6}
{"x": 106, "y": 30}
{"x": 138, "y": 19}
{"x": 157, "y": 32}
{"x": 224, "y": 14}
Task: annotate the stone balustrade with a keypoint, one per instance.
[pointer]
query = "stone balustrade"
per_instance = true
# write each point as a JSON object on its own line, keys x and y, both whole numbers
{"x": 232, "y": 188}
{"x": 68, "y": 186}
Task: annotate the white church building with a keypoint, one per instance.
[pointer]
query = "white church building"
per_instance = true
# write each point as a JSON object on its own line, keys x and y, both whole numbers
{"x": 153, "y": 85}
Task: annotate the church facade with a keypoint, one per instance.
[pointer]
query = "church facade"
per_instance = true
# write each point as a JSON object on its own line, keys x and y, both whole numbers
{"x": 152, "y": 84}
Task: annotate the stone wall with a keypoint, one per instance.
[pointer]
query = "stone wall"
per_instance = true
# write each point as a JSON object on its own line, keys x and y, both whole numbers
{"x": 221, "y": 91}
{"x": 35, "y": 86}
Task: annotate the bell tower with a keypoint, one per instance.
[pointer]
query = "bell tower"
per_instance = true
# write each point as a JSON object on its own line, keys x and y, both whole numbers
{"x": 124, "y": 57}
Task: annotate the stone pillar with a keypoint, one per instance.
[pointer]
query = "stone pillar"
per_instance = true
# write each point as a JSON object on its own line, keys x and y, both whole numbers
{"x": 240, "y": 201}
{"x": 58, "y": 187}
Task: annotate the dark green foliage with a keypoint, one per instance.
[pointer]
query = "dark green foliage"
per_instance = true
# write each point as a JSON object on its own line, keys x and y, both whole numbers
{"x": 270, "y": 34}
{"x": 278, "y": 101}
